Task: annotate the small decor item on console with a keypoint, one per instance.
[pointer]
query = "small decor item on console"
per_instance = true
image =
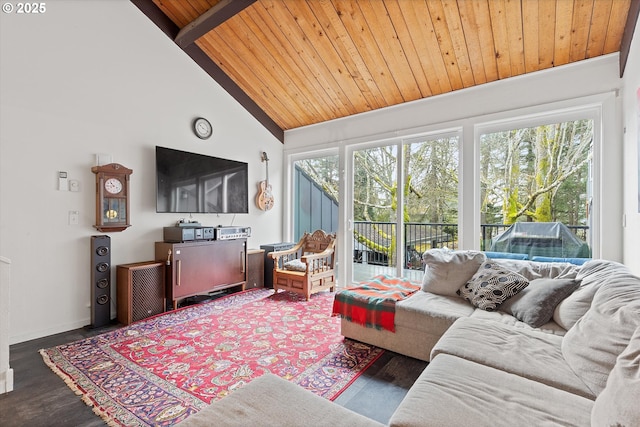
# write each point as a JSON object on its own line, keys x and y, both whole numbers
{"x": 112, "y": 197}
{"x": 264, "y": 199}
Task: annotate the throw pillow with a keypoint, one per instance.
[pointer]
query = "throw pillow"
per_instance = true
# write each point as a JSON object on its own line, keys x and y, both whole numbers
{"x": 447, "y": 270}
{"x": 491, "y": 285}
{"x": 534, "y": 305}
{"x": 295, "y": 265}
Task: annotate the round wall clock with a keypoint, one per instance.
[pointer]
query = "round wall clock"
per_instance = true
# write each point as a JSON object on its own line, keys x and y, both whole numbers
{"x": 202, "y": 128}
{"x": 113, "y": 185}
{"x": 112, "y": 197}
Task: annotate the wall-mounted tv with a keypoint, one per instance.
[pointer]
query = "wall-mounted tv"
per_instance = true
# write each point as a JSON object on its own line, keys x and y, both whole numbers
{"x": 197, "y": 183}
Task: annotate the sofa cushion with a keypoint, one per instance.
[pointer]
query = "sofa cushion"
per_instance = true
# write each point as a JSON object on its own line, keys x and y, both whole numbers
{"x": 447, "y": 270}
{"x": 591, "y": 275}
{"x": 550, "y": 327}
{"x": 455, "y": 392}
{"x": 272, "y": 401}
{"x": 592, "y": 345}
{"x": 536, "y": 303}
{"x": 528, "y": 353}
{"x": 617, "y": 405}
{"x": 537, "y": 270}
{"x": 491, "y": 286}
{"x": 427, "y": 312}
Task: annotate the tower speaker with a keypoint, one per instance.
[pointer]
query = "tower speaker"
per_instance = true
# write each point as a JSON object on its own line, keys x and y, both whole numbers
{"x": 140, "y": 290}
{"x": 100, "y": 280}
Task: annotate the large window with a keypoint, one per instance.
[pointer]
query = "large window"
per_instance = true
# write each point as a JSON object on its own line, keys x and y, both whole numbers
{"x": 540, "y": 175}
{"x": 465, "y": 184}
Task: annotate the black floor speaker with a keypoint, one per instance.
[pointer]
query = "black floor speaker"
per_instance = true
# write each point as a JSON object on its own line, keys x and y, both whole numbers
{"x": 100, "y": 281}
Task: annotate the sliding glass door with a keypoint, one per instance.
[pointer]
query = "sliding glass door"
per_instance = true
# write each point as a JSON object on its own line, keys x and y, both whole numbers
{"x": 405, "y": 201}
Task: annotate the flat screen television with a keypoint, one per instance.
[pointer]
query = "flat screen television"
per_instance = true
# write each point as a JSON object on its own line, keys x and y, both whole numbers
{"x": 197, "y": 183}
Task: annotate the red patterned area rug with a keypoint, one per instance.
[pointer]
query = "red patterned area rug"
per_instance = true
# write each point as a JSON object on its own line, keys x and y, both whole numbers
{"x": 158, "y": 371}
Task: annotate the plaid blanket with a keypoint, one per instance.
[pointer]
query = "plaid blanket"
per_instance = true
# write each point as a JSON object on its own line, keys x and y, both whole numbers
{"x": 373, "y": 303}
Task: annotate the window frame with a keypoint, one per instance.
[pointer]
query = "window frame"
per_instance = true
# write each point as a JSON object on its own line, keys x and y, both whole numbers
{"x": 524, "y": 119}
{"x": 601, "y": 107}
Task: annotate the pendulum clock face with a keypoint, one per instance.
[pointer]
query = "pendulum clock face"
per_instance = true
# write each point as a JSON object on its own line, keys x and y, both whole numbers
{"x": 112, "y": 197}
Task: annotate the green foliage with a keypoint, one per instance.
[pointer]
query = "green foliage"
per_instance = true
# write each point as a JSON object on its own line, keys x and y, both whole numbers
{"x": 539, "y": 174}
{"x": 511, "y": 207}
{"x": 543, "y": 209}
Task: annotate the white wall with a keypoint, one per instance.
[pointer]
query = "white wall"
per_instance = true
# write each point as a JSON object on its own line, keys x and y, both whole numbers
{"x": 98, "y": 77}
{"x": 586, "y": 83}
{"x": 631, "y": 120}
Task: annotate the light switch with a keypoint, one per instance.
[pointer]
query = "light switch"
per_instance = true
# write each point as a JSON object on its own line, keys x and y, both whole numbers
{"x": 74, "y": 217}
{"x": 63, "y": 183}
{"x": 74, "y": 185}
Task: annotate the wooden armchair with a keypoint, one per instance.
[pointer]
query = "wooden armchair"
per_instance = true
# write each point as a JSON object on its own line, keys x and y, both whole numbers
{"x": 308, "y": 267}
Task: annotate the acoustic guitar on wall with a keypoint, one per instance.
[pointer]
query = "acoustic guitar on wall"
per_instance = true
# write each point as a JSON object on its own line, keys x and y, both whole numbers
{"x": 264, "y": 199}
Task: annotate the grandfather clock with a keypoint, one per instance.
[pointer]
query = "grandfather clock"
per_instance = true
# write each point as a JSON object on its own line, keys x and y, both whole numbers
{"x": 112, "y": 197}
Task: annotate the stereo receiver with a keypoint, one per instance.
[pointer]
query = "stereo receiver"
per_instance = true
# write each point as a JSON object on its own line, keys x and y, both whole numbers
{"x": 228, "y": 233}
{"x": 187, "y": 234}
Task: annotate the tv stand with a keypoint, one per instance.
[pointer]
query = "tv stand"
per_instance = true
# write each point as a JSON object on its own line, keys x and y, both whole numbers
{"x": 200, "y": 267}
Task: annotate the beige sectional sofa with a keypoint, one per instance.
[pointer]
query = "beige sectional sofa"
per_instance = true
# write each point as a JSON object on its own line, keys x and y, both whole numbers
{"x": 422, "y": 318}
{"x": 566, "y": 351}
{"x": 492, "y": 369}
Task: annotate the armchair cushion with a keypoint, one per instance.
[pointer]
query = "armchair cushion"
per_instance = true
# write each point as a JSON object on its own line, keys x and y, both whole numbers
{"x": 295, "y": 265}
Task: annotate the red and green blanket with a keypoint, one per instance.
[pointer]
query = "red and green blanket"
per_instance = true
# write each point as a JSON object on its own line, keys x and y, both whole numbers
{"x": 373, "y": 303}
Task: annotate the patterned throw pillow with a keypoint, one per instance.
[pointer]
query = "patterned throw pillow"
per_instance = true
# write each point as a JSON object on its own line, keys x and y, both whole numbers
{"x": 491, "y": 286}
{"x": 295, "y": 265}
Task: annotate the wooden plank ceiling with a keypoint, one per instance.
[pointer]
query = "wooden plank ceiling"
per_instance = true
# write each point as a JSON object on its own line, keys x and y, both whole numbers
{"x": 307, "y": 61}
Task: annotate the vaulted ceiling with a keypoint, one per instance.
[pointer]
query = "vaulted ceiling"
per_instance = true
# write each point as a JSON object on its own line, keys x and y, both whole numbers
{"x": 293, "y": 63}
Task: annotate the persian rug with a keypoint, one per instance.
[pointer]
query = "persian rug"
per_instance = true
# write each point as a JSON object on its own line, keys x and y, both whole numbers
{"x": 373, "y": 303}
{"x": 158, "y": 371}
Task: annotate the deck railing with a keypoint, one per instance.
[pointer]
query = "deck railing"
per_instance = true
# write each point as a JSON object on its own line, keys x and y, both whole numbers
{"x": 375, "y": 242}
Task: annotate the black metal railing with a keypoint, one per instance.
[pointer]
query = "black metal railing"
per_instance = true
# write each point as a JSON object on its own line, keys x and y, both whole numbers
{"x": 375, "y": 241}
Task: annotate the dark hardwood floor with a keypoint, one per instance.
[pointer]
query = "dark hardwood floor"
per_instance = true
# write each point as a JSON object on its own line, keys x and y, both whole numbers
{"x": 41, "y": 398}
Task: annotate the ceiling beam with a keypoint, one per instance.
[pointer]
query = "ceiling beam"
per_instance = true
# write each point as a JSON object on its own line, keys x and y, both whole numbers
{"x": 627, "y": 35}
{"x": 211, "y": 68}
{"x": 213, "y": 17}
{"x": 155, "y": 14}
